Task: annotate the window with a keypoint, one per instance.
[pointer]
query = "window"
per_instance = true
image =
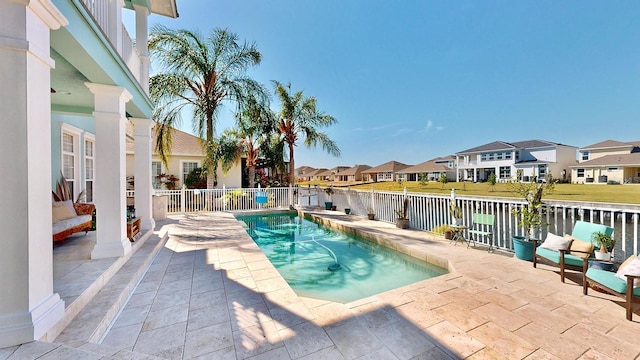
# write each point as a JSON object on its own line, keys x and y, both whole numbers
{"x": 585, "y": 155}
{"x": 483, "y": 157}
{"x": 187, "y": 167}
{"x": 500, "y": 156}
{"x": 542, "y": 171}
{"x": 517, "y": 155}
{"x": 88, "y": 169}
{"x": 612, "y": 169}
{"x": 69, "y": 157}
{"x": 505, "y": 172}
{"x": 156, "y": 169}
{"x": 580, "y": 173}
{"x": 507, "y": 155}
{"x": 491, "y": 156}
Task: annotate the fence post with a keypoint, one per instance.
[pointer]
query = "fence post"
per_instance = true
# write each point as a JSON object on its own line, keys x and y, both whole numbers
{"x": 182, "y": 199}
{"x": 224, "y": 197}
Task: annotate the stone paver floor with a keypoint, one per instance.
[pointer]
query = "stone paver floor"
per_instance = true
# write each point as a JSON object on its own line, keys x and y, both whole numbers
{"x": 211, "y": 294}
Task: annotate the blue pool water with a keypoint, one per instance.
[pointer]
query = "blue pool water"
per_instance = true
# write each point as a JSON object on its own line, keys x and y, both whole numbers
{"x": 305, "y": 254}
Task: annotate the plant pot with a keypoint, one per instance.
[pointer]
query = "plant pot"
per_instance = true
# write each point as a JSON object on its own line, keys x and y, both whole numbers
{"x": 328, "y": 205}
{"x": 347, "y": 211}
{"x": 371, "y": 216}
{"x": 448, "y": 234}
{"x": 522, "y": 248}
{"x": 402, "y": 223}
{"x": 602, "y": 256}
{"x": 333, "y": 208}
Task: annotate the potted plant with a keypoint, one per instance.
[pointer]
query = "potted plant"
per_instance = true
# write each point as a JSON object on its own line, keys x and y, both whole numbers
{"x": 328, "y": 204}
{"x": 456, "y": 213}
{"x": 347, "y": 211}
{"x": 370, "y": 214}
{"x": 445, "y": 230}
{"x": 529, "y": 215}
{"x": 607, "y": 242}
{"x": 402, "y": 221}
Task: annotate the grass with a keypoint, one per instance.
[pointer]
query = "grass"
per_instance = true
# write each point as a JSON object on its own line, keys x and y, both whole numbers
{"x": 621, "y": 194}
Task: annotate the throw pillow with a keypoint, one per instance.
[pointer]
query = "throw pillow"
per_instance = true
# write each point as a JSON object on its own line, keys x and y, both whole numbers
{"x": 631, "y": 268}
{"x": 581, "y": 248}
{"x": 555, "y": 242}
{"x": 61, "y": 213}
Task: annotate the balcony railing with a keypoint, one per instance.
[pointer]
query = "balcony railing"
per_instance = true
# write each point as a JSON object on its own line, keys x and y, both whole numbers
{"x": 103, "y": 13}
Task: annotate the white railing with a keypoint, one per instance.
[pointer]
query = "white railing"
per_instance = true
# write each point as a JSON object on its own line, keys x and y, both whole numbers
{"x": 193, "y": 200}
{"x": 427, "y": 211}
{"x": 104, "y": 17}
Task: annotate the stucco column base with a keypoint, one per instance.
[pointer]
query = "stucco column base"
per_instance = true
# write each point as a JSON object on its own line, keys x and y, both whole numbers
{"x": 103, "y": 250}
{"x": 33, "y": 325}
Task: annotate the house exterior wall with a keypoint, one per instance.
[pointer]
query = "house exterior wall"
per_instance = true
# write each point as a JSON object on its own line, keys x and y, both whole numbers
{"x": 598, "y": 153}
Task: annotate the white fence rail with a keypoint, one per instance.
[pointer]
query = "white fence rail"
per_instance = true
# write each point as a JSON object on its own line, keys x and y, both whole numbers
{"x": 426, "y": 211}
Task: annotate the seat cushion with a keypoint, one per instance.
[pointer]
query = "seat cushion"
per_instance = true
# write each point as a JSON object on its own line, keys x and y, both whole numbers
{"x": 70, "y": 223}
{"x": 609, "y": 279}
{"x": 554, "y": 256}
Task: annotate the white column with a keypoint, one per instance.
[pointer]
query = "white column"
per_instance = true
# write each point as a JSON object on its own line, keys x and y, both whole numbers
{"x": 28, "y": 305}
{"x": 142, "y": 44}
{"x": 142, "y": 171}
{"x": 110, "y": 171}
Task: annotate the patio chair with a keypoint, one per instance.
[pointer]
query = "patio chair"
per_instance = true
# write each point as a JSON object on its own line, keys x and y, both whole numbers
{"x": 609, "y": 282}
{"x": 482, "y": 226}
{"x": 580, "y": 247}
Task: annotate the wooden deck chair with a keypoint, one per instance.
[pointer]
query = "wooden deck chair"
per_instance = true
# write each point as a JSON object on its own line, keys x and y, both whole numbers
{"x": 482, "y": 226}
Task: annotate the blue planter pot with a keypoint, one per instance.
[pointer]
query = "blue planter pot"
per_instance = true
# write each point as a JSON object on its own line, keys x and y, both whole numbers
{"x": 523, "y": 248}
{"x": 328, "y": 205}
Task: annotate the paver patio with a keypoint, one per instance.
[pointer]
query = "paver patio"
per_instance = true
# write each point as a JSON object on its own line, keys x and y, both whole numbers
{"x": 211, "y": 294}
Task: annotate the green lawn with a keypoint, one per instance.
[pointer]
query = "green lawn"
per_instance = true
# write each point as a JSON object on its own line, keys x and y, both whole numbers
{"x": 625, "y": 194}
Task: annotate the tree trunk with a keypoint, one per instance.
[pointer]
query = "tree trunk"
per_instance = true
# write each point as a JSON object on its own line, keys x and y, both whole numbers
{"x": 252, "y": 176}
{"x": 291, "y": 175}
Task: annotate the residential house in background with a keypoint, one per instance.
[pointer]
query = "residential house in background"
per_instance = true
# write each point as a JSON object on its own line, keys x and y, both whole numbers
{"x": 186, "y": 155}
{"x": 384, "y": 172}
{"x": 302, "y": 173}
{"x": 608, "y": 161}
{"x": 431, "y": 170}
{"x": 535, "y": 159}
{"x": 73, "y": 78}
{"x": 321, "y": 174}
{"x": 352, "y": 174}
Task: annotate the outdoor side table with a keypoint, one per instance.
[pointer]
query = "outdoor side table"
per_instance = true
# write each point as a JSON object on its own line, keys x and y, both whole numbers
{"x": 458, "y": 235}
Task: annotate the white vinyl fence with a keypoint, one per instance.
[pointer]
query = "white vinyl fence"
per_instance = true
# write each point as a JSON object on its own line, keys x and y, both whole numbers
{"x": 426, "y": 211}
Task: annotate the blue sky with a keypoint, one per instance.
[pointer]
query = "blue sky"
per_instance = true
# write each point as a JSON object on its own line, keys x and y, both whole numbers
{"x": 413, "y": 80}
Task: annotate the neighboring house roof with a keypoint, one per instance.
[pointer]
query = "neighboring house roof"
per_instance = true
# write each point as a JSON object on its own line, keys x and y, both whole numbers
{"x": 317, "y": 172}
{"x": 182, "y": 143}
{"x": 631, "y": 159}
{"x": 324, "y": 172}
{"x": 354, "y": 170}
{"x": 304, "y": 170}
{"x": 502, "y": 145}
{"x": 611, "y": 144}
{"x": 425, "y": 167}
{"x": 392, "y": 166}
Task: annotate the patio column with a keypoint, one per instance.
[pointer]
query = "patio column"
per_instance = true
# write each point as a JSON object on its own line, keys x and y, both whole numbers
{"x": 142, "y": 44}
{"x": 28, "y": 306}
{"x": 142, "y": 172}
{"x": 110, "y": 172}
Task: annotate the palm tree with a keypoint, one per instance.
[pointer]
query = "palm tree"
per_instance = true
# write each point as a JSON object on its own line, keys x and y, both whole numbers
{"x": 199, "y": 75}
{"x": 299, "y": 118}
{"x": 253, "y": 126}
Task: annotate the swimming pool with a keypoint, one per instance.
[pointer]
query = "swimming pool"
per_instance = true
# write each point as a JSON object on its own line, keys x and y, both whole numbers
{"x": 325, "y": 264}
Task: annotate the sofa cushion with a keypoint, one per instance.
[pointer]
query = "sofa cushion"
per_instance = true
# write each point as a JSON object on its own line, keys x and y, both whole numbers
{"x": 69, "y": 223}
{"x": 555, "y": 242}
{"x": 61, "y": 213}
{"x": 609, "y": 279}
{"x": 584, "y": 231}
{"x": 630, "y": 268}
{"x": 581, "y": 249}
{"x": 66, "y": 203}
{"x": 554, "y": 256}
